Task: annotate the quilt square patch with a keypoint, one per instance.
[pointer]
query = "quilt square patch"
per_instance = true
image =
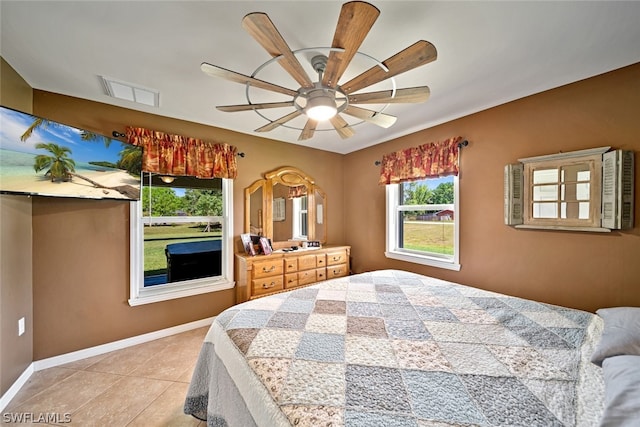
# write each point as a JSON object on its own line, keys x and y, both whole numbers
{"x": 506, "y": 401}
{"x": 398, "y": 311}
{"x": 420, "y": 355}
{"x": 250, "y": 319}
{"x": 315, "y": 383}
{"x": 482, "y": 362}
{"x": 438, "y": 314}
{"x": 376, "y": 388}
{"x": 243, "y": 338}
{"x": 369, "y": 326}
{"x": 296, "y": 305}
{"x": 407, "y": 329}
{"x": 441, "y": 396}
{"x": 326, "y": 323}
{"x": 353, "y": 418}
{"x": 304, "y": 293}
{"x": 369, "y": 351}
{"x": 274, "y": 343}
{"x": 272, "y": 372}
{"x": 364, "y": 309}
{"x": 321, "y": 347}
{"x": 330, "y": 307}
{"x": 284, "y": 320}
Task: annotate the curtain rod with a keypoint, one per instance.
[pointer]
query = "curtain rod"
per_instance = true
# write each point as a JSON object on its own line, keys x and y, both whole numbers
{"x": 117, "y": 134}
{"x": 461, "y": 144}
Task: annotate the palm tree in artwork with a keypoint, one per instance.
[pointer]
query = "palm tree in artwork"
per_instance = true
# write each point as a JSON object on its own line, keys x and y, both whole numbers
{"x": 61, "y": 166}
{"x": 85, "y": 135}
{"x": 131, "y": 159}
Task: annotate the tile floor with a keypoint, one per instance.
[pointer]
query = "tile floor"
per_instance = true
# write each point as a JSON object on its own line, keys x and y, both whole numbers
{"x": 143, "y": 385}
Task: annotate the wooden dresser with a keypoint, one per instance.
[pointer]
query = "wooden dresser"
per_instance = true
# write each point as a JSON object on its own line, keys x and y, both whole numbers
{"x": 261, "y": 275}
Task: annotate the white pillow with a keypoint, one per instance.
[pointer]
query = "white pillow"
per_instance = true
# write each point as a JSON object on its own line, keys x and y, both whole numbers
{"x": 621, "y": 391}
{"x": 621, "y": 333}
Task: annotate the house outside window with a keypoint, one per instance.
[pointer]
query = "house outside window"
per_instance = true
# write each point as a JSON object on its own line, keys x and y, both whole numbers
{"x": 181, "y": 238}
{"x": 422, "y": 222}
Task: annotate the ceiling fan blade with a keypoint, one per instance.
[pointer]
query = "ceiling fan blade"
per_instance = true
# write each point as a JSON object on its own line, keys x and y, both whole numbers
{"x": 355, "y": 21}
{"x": 249, "y": 107}
{"x": 215, "y": 71}
{"x": 419, "y": 53}
{"x": 406, "y": 95}
{"x": 309, "y": 129}
{"x": 341, "y": 126}
{"x": 282, "y": 120}
{"x": 380, "y": 119}
{"x": 260, "y": 27}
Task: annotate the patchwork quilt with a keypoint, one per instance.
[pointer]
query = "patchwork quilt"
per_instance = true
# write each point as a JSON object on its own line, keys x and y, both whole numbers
{"x": 391, "y": 348}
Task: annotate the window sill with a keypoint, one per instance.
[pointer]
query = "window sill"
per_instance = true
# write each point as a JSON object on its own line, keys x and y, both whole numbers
{"x": 167, "y": 292}
{"x": 423, "y": 259}
{"x": 563, "y": 228}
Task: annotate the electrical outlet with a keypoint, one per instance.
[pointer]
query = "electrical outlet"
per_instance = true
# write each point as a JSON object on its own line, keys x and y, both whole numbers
{"x": 21, "y": 326}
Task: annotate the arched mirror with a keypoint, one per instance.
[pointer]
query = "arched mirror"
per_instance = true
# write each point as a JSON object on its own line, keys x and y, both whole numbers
{"x": 285, "y": 206}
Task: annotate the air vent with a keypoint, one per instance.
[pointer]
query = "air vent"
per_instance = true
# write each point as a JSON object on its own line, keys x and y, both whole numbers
{"x": 130, "y": 92}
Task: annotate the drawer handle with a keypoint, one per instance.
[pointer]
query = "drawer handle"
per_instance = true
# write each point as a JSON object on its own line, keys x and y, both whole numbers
{"x": 337, "y": 271}
{"x": 270, "y": 285}
{"x": 289, "y": 266}
{"x": 273, "y": 267}
{"x": 337, "y": 258}
{"x": 320, "y": 261}
{"x": 320, "y": 275}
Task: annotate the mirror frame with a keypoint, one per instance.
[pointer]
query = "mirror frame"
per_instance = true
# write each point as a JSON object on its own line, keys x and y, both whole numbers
{"x": 288, "y": 176}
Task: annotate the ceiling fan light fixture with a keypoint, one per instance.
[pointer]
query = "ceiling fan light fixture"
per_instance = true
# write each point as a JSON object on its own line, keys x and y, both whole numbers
{"x": 320, "y": 107}
{"x": 167, "y": 179}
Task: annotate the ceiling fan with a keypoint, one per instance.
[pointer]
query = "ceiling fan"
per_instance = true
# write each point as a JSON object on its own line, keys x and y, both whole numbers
{"x": 325, "y": 99}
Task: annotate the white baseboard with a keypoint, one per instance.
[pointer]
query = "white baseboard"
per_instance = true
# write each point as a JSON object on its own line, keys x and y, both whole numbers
{"x": 16, "y": 386}
{"x": 62, "y": 359}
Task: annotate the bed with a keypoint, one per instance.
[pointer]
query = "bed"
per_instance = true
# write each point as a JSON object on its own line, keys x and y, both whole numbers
{"x": 392, "y": 348}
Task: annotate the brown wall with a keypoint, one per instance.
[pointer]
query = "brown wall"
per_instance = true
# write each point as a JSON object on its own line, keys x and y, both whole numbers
{"x": 81, "y": 292}
{"x": 16, "y": 301}
{"x": 582, "y": 270}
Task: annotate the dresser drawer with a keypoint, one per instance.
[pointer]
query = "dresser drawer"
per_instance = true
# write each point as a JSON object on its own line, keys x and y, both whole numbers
{"x": 321, "y": 274}
{"x": 306, "y": 262}
{"x": 306, "y": 277}
{"x": 267, "y": 285}
{"x": 337, "y": 271}
{"x": 290, "y": 265}
{"x": 267, "y": 268}
{"x": 290, "y": 280}
{"x": 337, "y": 257}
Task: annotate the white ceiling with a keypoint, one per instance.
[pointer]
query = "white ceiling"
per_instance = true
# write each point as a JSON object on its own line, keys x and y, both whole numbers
{"x": 489, "y": 53}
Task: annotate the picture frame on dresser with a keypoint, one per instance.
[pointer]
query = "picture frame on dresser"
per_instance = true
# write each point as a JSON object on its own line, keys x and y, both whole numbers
{"x": 265, "y": 245}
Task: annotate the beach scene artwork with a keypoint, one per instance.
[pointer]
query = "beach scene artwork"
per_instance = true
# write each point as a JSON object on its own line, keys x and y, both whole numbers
{"x": 45, "y": 158}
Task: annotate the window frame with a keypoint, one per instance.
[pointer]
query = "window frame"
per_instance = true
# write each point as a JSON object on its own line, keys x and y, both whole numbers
{"x": 300, "y": 218}
{"x": 593, "y": 157}
{"x": 595, "y": 167}
{"x": 140, "y": 295}
{"x": 393, "y": 249}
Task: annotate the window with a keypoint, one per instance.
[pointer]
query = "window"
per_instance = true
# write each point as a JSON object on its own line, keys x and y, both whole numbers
{"x": 422, "y": 222}
{"x": 299, "y": 217}
{"x": 563, "y": 192}
{"x": 585, "y": 190}
{"x": 181, "y": 238}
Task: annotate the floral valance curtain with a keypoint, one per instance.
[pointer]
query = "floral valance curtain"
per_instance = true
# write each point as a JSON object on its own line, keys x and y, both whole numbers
{"x": 177, "y": 155}
{"x": 298, "y": 191}
{"x": 431, "y": 160}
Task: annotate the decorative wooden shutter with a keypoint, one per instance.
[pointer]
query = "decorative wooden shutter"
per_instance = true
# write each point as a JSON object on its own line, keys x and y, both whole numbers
{"x": 513, "y": 193}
